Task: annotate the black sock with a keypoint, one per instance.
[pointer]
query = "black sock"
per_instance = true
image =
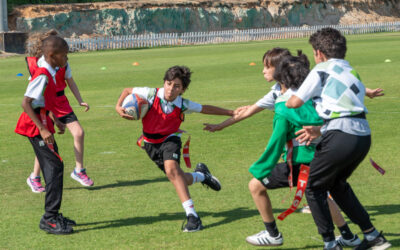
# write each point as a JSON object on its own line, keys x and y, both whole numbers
{"x": 346, "y": 232}
{"x": 272, "y": 228}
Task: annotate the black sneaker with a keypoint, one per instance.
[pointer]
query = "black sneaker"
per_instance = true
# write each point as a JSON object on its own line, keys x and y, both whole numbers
{"x": 55, "y": 226}
{"x": 209, "y": 180}
{"x": 67, "y": 220}
{"x": 193, "y": 224}
{"x": 379, "y": 243}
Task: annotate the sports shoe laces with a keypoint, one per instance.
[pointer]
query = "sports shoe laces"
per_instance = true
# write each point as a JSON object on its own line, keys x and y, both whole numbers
{"x": 82, "y": 174}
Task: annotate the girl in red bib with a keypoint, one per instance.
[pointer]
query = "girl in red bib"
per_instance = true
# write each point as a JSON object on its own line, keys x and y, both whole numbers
{"x": 161, "y": 135}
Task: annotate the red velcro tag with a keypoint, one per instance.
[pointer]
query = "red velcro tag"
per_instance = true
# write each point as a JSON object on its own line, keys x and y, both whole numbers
{"x": 139, "y": 141}
{"x": 377, "y": 167}
{"x": 185, "y": 152}
{"x": 301, "y": 187}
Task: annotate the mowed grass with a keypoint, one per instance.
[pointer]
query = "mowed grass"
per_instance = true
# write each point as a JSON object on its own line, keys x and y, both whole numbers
{"x": 132, "y": 205}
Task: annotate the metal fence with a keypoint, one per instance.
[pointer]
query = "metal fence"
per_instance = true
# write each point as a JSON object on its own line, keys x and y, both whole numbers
{"x": 212, "y": 37}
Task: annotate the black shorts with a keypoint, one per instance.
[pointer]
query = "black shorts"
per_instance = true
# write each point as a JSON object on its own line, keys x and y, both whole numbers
{"x": 170, "y": 149}
{"x": 280, "y": 174}
{"x": 71, "y": 117}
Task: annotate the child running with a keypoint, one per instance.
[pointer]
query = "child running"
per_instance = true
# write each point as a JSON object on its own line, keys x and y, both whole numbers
{"x": 36, "y": 125}
{"x": 346, "y": 137}
{"x": 161, "y": 134}
{"x": 62, "y": 110}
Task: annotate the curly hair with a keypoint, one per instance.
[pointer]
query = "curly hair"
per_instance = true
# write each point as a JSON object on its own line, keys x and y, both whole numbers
{"x": 330, "y": 42}
{"x": 34, "y": 43}
{"x": 181, "y": 72}
{"x": 292, "y": 70}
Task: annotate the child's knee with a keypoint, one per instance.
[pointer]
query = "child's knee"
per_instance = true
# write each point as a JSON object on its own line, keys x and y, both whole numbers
{"x": 255, "y": 186}
{"x": 78, "y": 132}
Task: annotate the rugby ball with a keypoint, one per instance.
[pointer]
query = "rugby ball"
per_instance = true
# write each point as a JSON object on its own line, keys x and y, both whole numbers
{"x": 135, "y": 106}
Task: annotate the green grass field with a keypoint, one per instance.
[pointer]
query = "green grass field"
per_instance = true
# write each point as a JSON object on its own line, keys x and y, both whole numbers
{"x": 132, "y": 205}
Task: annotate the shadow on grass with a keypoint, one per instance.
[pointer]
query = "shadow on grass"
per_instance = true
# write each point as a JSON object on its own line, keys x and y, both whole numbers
{"x": 123, "y": 184}
{"x": 383, "y": 209}
{"x": 228, "y": 217}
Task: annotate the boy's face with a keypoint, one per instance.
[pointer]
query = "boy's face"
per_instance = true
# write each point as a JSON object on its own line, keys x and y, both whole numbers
{"x": 58, "y": 59}
{"x": 268, "y": 72}
{"x": 172, "y": 89}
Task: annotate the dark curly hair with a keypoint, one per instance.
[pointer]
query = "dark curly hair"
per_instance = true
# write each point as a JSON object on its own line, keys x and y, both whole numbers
{"x": 292, "y": 70}
{"x": 181, "y": 72}
{"x": 330, "y": 42}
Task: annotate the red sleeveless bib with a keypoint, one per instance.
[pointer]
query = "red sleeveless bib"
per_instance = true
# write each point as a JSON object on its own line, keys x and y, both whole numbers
{"x": 157, "y": 125}
{"x": 25, "y": 126}
{"x": 61, "y": 105}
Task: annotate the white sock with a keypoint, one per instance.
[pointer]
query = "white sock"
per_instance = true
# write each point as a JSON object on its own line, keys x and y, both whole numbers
{"x": 197, "y": 177}
{"x": 78, "y": 170}
{"x": 189, "y": 207}
{"x": 371, "y": 235}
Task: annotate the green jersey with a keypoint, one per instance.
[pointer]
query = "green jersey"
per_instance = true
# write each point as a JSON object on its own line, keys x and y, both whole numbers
{"x": 286, "y": 122}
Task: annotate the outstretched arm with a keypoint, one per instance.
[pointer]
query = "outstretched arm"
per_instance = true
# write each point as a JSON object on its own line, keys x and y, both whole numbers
{"x": 74, "y": 89}
{"x": 118, "y": 107}
{"x": 213, "y": 110}
{"x": 253, "y": 109}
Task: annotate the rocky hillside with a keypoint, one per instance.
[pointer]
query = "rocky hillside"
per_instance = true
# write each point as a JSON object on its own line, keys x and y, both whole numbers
{"x": 140, "y": 16}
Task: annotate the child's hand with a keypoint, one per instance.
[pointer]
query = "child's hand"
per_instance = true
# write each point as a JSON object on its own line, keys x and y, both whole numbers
{"x": 60, "y": 126}
{"x": 371, "y": 93}
{"x": 240, "y": 109}
{"x": 212, "y": 127}
{"x": 46, "y": 135}
{"x": 121, "y": 111}
{"x": 84, "y": 104}
{"x": 308, "y": 134}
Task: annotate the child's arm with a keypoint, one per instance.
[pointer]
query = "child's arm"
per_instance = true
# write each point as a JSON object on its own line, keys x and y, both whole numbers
{"x": 371, "y": 93}
{"x": 44, "y": 132}
{"x": 249, "y": 111}
{"x": 118, "y": 107}
{"x": 74, "y": 88}
{"x": 213, "y": 110}
{"x": 294, "y": 102}
{"x": 308, "y": 134}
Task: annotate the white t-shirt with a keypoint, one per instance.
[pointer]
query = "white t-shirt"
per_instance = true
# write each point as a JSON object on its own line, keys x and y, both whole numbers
{"x": 36, "y": 86}
{"x": 268, "y": 101}
{"x": 336, "y": 89}
{"x": 186, "y": 106}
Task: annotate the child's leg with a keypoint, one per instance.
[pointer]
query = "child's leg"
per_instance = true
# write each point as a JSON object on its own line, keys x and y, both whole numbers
{"x": 33, "y": 180}
{"x": 337, "y": 154}
{"x": 337, "y": 216}
{"x": 53, "y": 170}
{"x": 178, "y": 178}
{"x": 261, "y": 199}
{"x": 78, "y": 134}
{"x": 36, "y": 167}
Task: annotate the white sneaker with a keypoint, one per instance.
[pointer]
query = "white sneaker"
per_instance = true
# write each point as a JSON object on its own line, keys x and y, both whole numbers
{"x": 348, "y": 243}
{"x": 305, "y": 210}
{"x": 264, "y": 239}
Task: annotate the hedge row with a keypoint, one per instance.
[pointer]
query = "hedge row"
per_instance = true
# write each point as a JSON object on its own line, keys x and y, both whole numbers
{"x": 13, "y": 3}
